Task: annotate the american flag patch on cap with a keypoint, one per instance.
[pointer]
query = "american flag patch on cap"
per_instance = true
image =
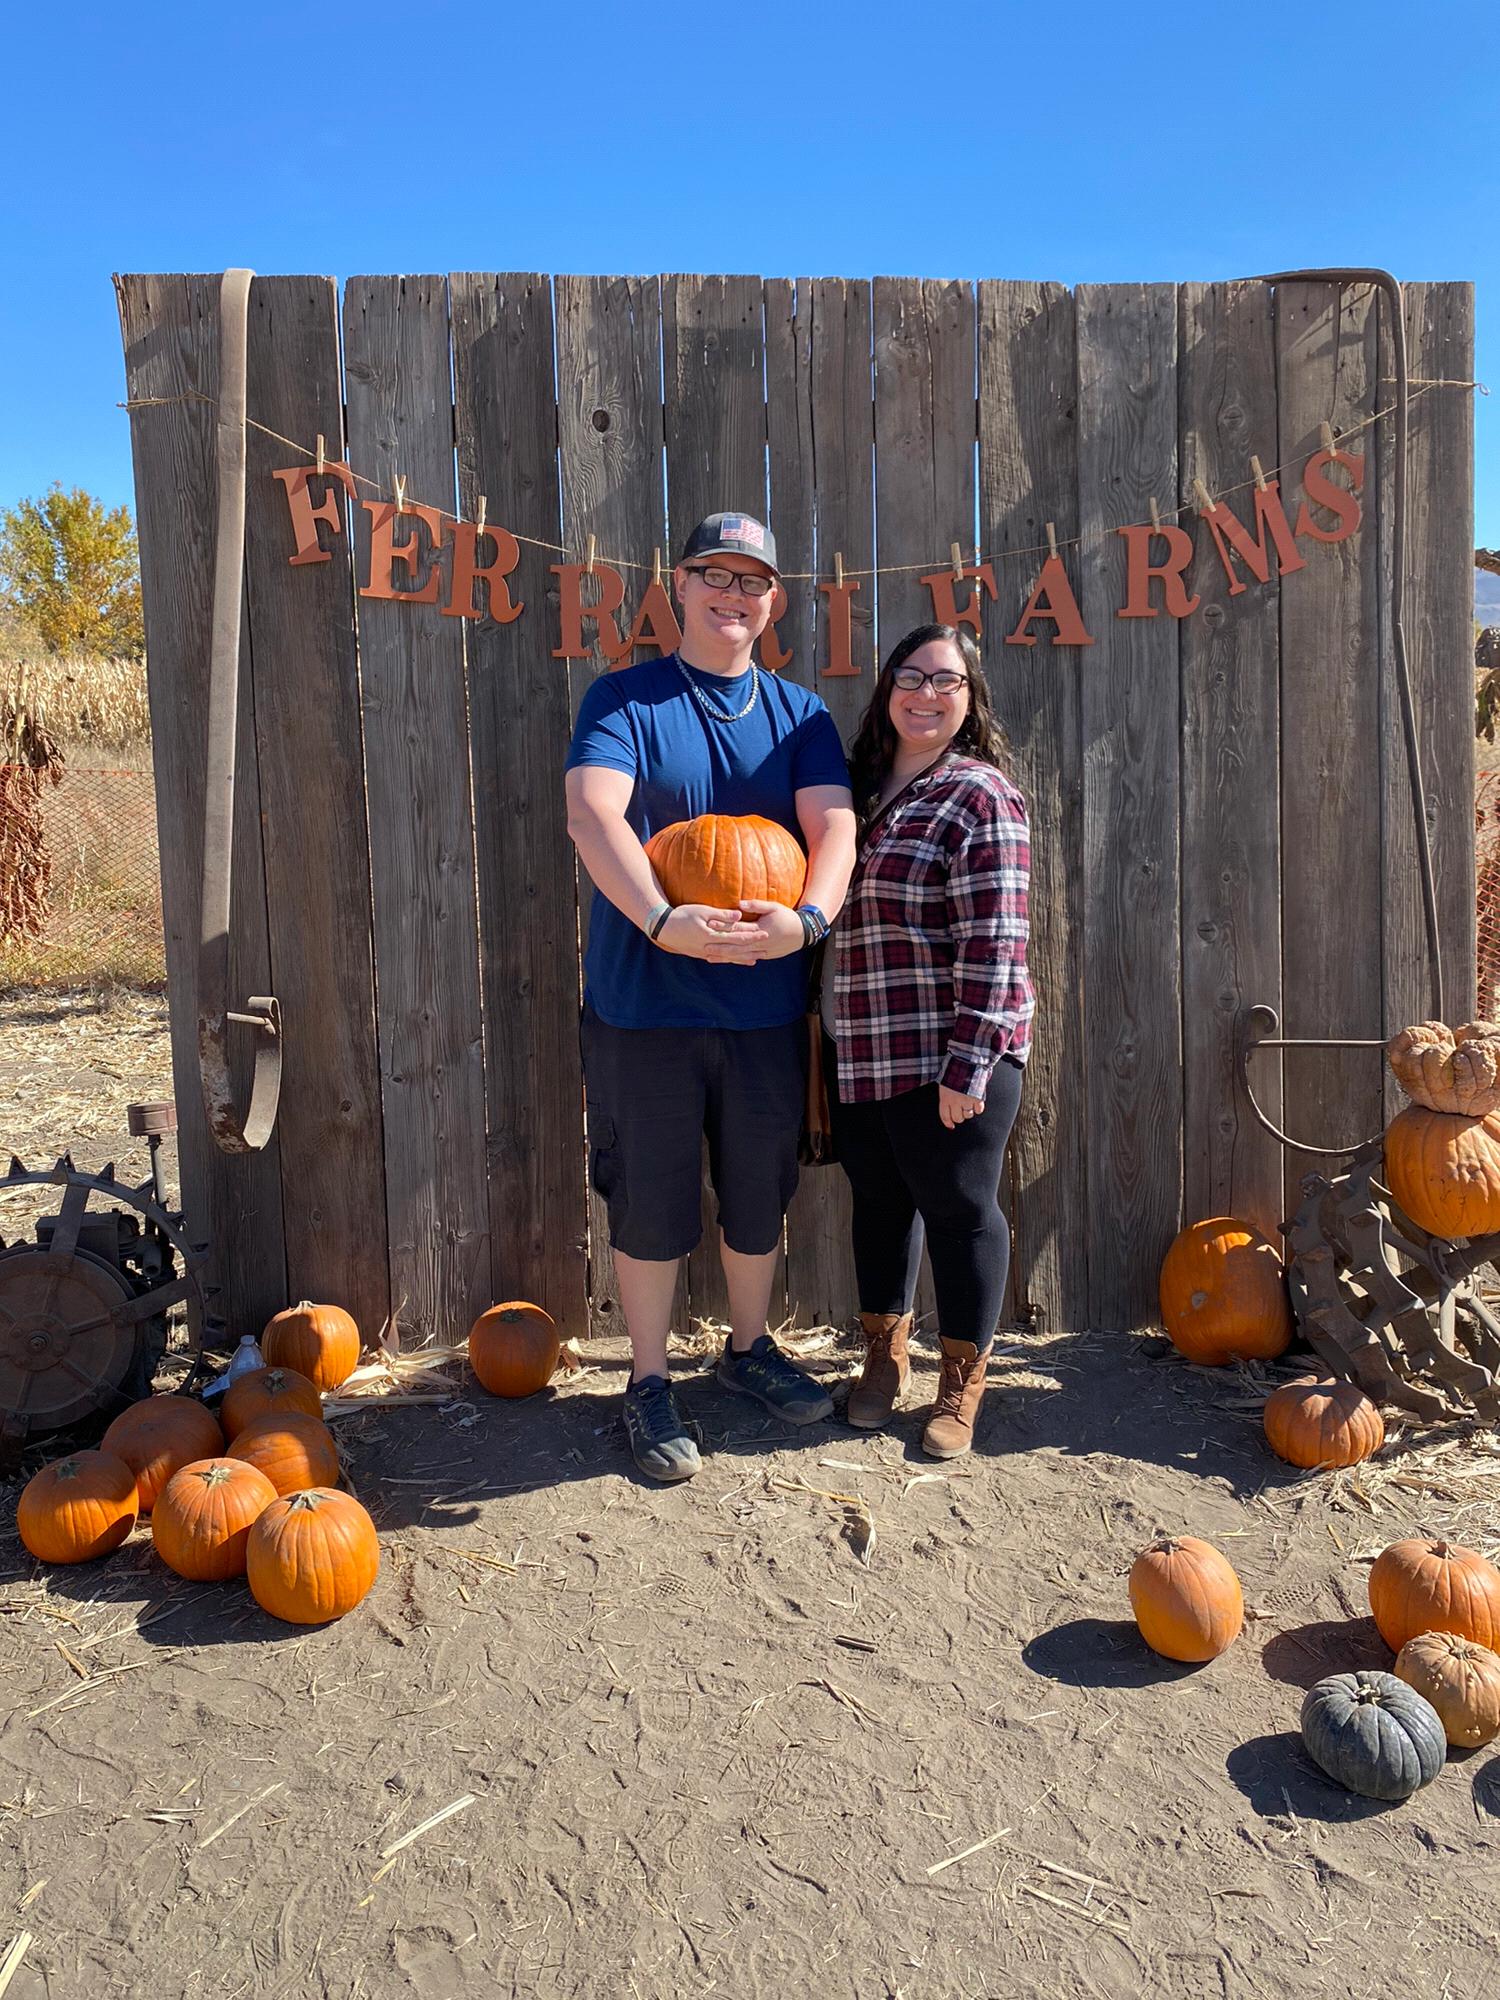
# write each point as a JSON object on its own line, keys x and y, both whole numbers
{"x": 740, "y": 528}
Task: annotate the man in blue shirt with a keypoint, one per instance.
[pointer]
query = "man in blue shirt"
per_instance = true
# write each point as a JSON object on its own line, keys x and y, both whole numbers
{"x": 693, "y": 1016}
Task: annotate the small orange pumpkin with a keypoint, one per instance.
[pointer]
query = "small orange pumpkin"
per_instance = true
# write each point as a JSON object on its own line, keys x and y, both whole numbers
{"x": 513, "y": 1349}
{"x": 313, "y": 1556}
{"x": 293, "y": 1450}
{"x": 203, "y": 1517}
{"x": 320, "y": 1342}
{"x": 721, "y": 861}
{"x": 1319, "y": 1420}
{"x": 78, "y": 1507}
{"x": 1186, "y": 1599}
{"x": 1460, "y": 1679}
{"x": 1444, "y": 1170}
{"x": 159, "y": 1436}
{"x": 1223, "y": 1294}
{"x": 1421, "y": 1586}
{"x": 267, "y": 1391}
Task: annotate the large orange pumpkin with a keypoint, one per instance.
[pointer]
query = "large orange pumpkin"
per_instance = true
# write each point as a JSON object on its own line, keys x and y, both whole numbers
{"x": 320, "y": 1342}
{"x": 1460, "y": 1679}
{"x": 267, "y": 1391}
{"x": 313, "y": 1556}
{"x": 203, "y": 1517}
{"x": 513, "y": 1349}
{"x": 1186, "y": 1599}
{"x": 721, "y": 861}
{"x": 1444, "y": 1170}
{"x": 1425, "y": 1586}
{"x": 77, "y": 1507}
{"x": 1223, "y": 1294}
{"x": 158, "y": 1437}
{"x": 293, "y": 1450}
{"x": 1319, "y": 1420}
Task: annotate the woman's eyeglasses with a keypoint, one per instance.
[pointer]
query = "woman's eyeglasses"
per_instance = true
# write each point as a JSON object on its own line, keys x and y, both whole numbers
{"x": 753, "y": 584}
{"x": 947, "y": 680}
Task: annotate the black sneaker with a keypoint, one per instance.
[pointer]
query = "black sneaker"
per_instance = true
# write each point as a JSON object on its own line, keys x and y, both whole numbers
{"x": 764, "y": 1372}
{"x": 659, "y": 1438}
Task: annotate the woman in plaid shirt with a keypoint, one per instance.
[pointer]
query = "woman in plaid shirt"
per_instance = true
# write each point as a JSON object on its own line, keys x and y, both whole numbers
{"x": 931, "y": 1009}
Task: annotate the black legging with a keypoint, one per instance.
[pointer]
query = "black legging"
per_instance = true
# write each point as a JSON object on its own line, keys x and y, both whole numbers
{"x": 907, "y": 1172}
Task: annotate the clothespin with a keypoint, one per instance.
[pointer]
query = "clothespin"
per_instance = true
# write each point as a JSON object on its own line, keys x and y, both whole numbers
{"x": 1155, "y": 516}
{"x": 1327, "y": 435}
{"x": 1260, "y": 477}
{"x": 400, "y": 492}
{"x": 1204, "y": 499}
{"x": 320, "y": 454}
{"x": 1052, "y": 539}
{"x": 479, "y": 517}
{"x": 838, "y": 570}
{"x": 656, "y": 567}
{"x": 588, "y": 561}
{"x": 955, "y": 554}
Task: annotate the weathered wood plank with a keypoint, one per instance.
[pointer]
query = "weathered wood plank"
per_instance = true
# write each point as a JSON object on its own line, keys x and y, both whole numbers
{"x": 1127, "y": 451}
{"x": 170, "y": 327}
{"x": 1028, "y": 476}
{"x": 1330, "y": 760}
{"x": 713, "y": 352}
{"x": 610, "y": 457}
{"x": 819, "y": 426}
{"x": 520, "y": 720}
{"x": 1439, "y": 641}
{"x": 400, "y": 421}
{"x": 313, "y": 802}
{"x": 1231, "y": 872}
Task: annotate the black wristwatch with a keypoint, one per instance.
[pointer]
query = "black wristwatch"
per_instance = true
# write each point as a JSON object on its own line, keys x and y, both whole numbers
{"x": 815, "y": 926}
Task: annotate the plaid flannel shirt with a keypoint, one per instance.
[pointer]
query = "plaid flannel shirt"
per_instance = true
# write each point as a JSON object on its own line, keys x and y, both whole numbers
{"x": 930, "y": 981}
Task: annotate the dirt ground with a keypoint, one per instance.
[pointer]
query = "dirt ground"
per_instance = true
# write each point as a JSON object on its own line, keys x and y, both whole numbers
{"x": 716, "y": 1739}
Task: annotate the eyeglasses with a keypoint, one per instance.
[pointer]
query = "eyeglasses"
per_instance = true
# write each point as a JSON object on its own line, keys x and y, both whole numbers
{"x": 947, "y": 680}
{"x": 753, "y": 584}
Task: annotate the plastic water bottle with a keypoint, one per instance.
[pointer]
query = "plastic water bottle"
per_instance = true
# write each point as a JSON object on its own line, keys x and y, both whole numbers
{"x": 246, "y": 1358}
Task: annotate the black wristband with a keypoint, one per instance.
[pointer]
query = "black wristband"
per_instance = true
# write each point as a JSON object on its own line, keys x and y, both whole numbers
{"x": 654, "y": 930}
{"x": 815, "y": 925}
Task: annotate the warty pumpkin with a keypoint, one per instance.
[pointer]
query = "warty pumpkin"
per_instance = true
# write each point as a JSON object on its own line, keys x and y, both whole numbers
{"x": 203, "y": 1518}
{"x": 78, "y": 1507}
{"x": 513, "y": 1349}
{"x": 1445, "y": 1170}
{"x": 1373, "y": 1734}
{"x": 293, "y": 1450}
{"x": 312, "y": 1556}
{"x": 159, "y": 1436}
{"x": 1319, "y": 1420}
{"x": 1223, "y": 1294}
{"x": 1186, "y": 1599}
{"x": 1434, "y": 1586}
{"x": 320, "y": 1342}
{"x": 1460, "y": 1679}
{"x": 267, "y": 1390}
{"x": 1450, "y": 1071}
{"x": 721, "y": 861}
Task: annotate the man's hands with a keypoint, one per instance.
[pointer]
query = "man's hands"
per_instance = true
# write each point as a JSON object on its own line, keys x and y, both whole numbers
{"x": 745, "y": 936}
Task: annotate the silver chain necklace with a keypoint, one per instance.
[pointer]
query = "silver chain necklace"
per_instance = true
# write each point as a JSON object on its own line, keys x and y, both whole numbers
{"x": 718, "y": 714}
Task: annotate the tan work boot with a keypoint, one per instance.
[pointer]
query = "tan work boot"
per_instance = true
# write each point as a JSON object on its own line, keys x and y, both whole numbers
{"x": 950, "y": 1428}
{"x": 886, "y": 1375}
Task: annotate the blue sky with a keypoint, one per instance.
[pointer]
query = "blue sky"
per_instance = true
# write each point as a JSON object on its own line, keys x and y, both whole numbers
{"x": 1077, "y": 141}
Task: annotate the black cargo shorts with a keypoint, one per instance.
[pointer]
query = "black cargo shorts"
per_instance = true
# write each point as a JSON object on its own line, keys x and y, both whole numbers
{"x": 655, "y": 1093}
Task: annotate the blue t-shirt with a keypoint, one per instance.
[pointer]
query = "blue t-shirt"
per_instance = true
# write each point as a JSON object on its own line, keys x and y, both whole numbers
{"x": 646, "y": 721}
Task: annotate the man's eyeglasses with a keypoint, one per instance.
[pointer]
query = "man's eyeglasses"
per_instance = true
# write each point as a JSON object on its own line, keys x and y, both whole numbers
{"x": 947, "y": 680}
{"x": 753, "y": 584}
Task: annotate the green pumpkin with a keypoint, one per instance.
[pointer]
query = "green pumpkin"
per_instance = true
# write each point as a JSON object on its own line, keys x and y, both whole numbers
{"x": 1373, "y": 1734}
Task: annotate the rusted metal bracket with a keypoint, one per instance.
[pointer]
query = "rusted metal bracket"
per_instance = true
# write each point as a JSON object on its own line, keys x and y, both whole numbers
{"x": 1258, "y": 1030}
{"x": 231, "y": 1132}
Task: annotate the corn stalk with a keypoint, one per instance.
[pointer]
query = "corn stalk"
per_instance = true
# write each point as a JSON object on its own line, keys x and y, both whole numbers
{"x": 33, "y": 761}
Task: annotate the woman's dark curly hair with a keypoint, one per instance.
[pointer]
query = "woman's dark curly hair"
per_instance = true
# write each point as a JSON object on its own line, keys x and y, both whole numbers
{"x": 980, "y": 735}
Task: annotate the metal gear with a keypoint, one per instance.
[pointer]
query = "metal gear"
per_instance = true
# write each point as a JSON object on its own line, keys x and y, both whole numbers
{"x": 83, "y": 1304}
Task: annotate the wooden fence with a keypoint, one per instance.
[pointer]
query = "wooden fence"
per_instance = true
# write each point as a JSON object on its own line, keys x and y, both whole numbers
{"x": 1219, "y": 804}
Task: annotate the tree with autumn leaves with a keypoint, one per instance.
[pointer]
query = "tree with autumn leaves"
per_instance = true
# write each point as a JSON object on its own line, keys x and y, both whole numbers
{"x": 70, "y": 569}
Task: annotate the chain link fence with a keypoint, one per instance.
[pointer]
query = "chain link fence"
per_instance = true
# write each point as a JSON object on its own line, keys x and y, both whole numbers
{"x": 102, "y": 920}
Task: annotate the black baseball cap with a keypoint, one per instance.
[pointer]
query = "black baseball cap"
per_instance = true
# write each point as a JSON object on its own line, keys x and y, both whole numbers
{"x": 732, "y": 535}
